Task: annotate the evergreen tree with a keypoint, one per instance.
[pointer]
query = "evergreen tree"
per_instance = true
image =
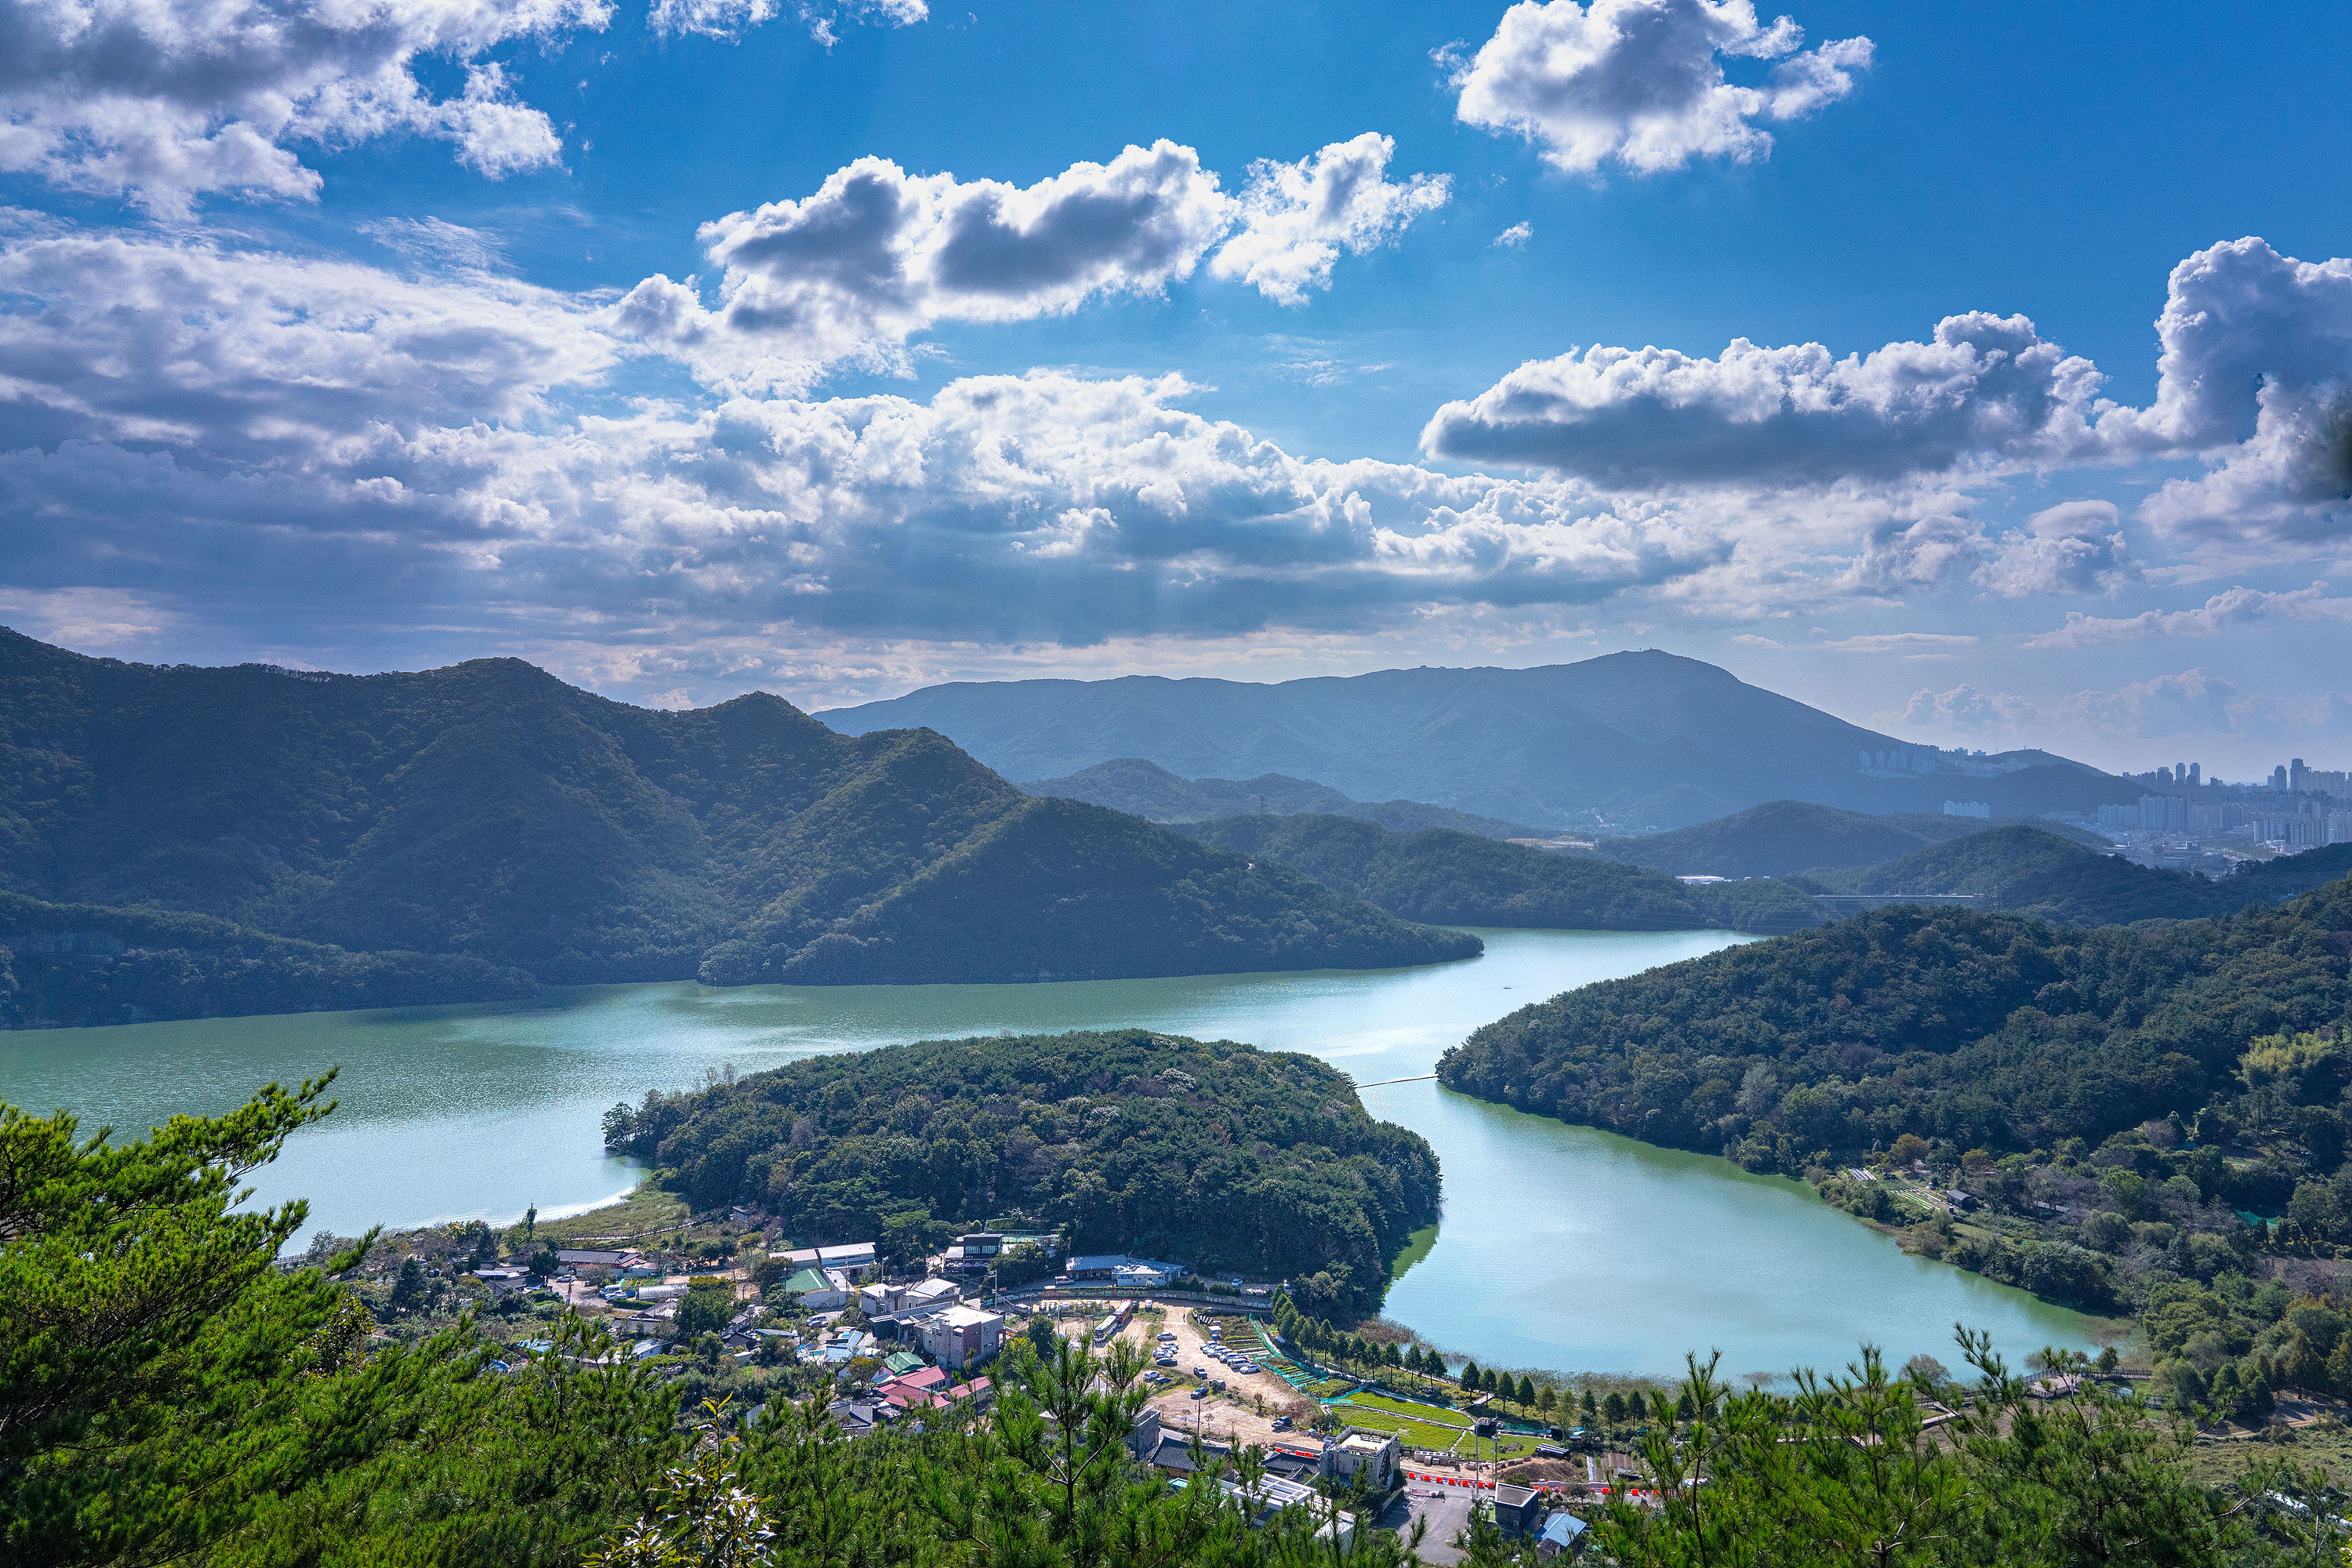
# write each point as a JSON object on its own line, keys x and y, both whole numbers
{"x": 1586, "y": 1408}
{"x": 1546, "y": 1402}
{"x": 1392, "y": 1356}
{"x": 1525, "y": 1391}
{"x": 408, "y": 1287}
{"x": 1471, "y": 1381}
{"x": 1613, "y": 1409}
{"x": 2339, "y": 1367}
{"x": 2305, "y": 1367}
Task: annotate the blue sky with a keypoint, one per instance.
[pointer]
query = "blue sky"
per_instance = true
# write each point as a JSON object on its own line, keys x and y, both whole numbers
{"x": 365, "y": 338}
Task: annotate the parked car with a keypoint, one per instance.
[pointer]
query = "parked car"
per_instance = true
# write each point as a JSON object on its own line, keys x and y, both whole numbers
{"x": 1200, "y": 1392}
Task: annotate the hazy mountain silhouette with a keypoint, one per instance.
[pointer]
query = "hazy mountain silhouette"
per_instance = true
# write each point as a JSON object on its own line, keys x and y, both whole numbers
{"x": 1643, "y": 739}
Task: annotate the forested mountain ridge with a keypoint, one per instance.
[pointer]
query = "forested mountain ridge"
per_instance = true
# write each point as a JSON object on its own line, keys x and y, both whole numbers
{"x": 1151, "y": 791}
{"x": 1996, "y": 1031}
{"x": 1460, "y": 879}
{"x": 1641, "y": 737}
{"x": 492, "y": 812}
{"x": 1211, "y": 1153}
{"x": 2028, "y": 871}
{"x": 79, "y": 964}
{"x": 1783, "y": 837}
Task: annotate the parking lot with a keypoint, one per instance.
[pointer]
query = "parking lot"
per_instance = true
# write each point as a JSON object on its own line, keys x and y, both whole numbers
{"x": 1243, "y": 1413}
{"x": 1446, "y": 1509}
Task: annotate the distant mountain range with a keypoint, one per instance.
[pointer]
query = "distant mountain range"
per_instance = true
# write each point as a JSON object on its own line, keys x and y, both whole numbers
{"x": 1781, "y": 837}
{"x": 2021, "y": 869}
{"x": 1150, "y": 791}
{"x": 1636, "y": 739}
{"x": 485, "y": 827}
{"x": 1460, "y": 879}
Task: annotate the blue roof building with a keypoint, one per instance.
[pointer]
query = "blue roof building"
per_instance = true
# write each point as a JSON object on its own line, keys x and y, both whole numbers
{"x": 1561, "y": 1532}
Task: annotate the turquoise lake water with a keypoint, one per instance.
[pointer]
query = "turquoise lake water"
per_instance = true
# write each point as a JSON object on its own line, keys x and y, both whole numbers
{"x": 1560, "y": 1246}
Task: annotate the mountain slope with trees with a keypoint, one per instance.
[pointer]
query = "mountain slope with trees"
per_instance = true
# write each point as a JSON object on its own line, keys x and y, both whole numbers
{"x": 1151, "y": 791}
{"x": 1211, "y": 1153}
{"x": 1984, "y": 1030}
{"x": 1460, "y": 879}
{"x": 488, "y": 812}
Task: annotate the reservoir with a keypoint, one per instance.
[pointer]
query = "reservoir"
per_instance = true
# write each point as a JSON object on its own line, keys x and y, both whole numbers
{"x": 1560, "y": 1246}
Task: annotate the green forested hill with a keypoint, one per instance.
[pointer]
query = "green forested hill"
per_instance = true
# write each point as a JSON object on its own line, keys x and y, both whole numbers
{"x": 74, "y": 965}
{"x": 1984, "y": 1030}
{"x": 1461, "y": 878}
{"x": 490, "y": 811}
{"x": 1782, "y": 837}
{"x": 1215, "y": 1154}
{"x": 2031, "y": 872}
{"x": 1149, "y": 790}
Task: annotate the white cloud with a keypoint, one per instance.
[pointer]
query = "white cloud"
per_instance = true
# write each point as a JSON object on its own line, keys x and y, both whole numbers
{"x": 1965, "y": 708}
{"x": 433, "y": 242}
{"x": 2195, "y": 701}
{"x": 2075, "y": 547}
{"x": 165, "y": 103}
{"x": 1989, "y": 388}
{"x": 299, "y": 443}
{"x": 877, "y": 255}
{"x": 730, "y": 19}
{"x": 2234, "y": 608}
{"x": 236, "y": 357}
{"x": 2256, "y": 370}
{"x": 1295, "y": 218}
{"x": 1899, "y": 642}
{"x": 1518, "y": 233}
{"x": 2255, "y": 379}
{"x": 1639, "y": 82}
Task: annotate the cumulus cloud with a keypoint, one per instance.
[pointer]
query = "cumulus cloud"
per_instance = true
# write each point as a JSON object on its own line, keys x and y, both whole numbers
{"x": 1295, "y": 218}
{"x": 2256, "y": 369}
{"x": 317, "y": 443}
{"x": 2194, "y": 701}
{"x": 1987, "y": 388}
{"x": 2254, "y": 377}
{"x": 2075, "y": 547}
{"x": 2234, "y": 608}
{"x": 730, "y": 19}
{"x": 1518, "y": 233}
{"x": 1640, "y": 83}
{"x": 239, "y": 357}
{"x": 877, "y": 255}
{"x": 1966, "y": 708}
{"x": 165, "y": 103}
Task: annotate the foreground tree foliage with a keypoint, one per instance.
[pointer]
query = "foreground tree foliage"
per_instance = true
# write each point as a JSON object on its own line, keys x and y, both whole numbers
{"x": 168, "y": 1393}
{"x": 172, "y": 1395}
{"x": 1853, "y": 1470}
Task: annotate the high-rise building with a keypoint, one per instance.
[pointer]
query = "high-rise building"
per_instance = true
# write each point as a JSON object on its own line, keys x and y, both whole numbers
{"x": 2294, "y": 774}
{"x": 2278, "y": 778}
{"x": 2196, "y": 769}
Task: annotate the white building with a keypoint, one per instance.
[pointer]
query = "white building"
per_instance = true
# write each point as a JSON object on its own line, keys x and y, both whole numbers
{"x": 1376, "y": 1457}
{"x": 961, "y": 1337}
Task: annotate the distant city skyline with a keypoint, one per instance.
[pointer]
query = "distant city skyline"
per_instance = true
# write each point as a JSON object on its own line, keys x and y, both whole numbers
{"x": 1979, "y": 376}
